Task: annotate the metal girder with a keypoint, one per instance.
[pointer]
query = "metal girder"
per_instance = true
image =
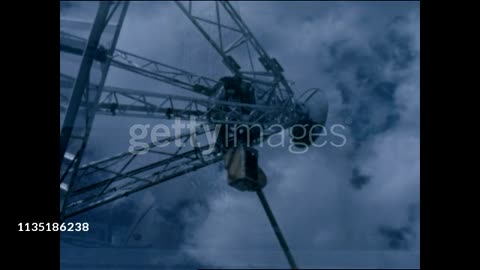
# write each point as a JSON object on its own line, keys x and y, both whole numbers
{"x": 91, "y": 185}
{"x": 279, "y": 91}
{"x": 143, "y": 66}
{"x": 138, "y": 103}
{"x": 115, "y": 177}
{"x": 135, "y": 185}
{"x": 77, "y": 123}
{"x": 275, "y": 106}
{"x": 118, "y": 176}
{"x": 276, "y": 229}
{"x": 112, "y": 178}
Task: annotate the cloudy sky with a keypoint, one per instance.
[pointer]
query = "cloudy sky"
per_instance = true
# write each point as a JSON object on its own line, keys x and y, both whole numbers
{"x": 355, "y": 207}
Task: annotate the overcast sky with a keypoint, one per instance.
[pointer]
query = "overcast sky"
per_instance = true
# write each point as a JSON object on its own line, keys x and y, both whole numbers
{"x": 356, "y": 206}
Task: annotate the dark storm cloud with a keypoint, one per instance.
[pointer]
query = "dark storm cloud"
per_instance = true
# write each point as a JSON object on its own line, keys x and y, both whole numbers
{"x": 358, "y": 180}
{"x": 397, "y": 238}
{"x": 365, "y": 55}
{"x": 373, "y": 56}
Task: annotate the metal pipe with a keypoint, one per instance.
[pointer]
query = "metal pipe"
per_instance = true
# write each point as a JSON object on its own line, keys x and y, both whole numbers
{"x": 276, "y": 229}
{"x": 82, "y": 78}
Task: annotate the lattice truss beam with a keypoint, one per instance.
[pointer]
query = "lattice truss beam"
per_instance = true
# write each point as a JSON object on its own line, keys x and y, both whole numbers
{"x": 87, "y": 186}
{"x": 231, "y": 38}
{"x": 112, "y": 178}
{"x": 116, "y": 101}
{"x": 77, "y": 122}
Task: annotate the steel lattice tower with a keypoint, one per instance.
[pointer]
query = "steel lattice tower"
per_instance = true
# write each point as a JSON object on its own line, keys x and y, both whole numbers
{"x": 85, "y": 186}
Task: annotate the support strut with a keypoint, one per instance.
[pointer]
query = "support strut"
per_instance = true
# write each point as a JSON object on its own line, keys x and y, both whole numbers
{"x": 276, "y": 229}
